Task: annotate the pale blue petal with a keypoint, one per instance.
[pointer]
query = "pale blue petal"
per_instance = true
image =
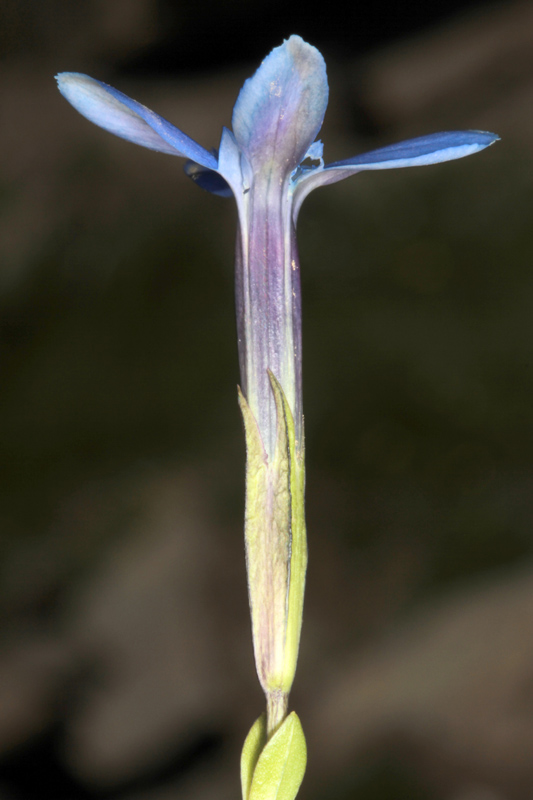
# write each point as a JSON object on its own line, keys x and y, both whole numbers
{"x": 230, "y": 163}
{"x": 280, "y": 109}
{"x": 315, "y": 152}
{"x": 119, "y": 114}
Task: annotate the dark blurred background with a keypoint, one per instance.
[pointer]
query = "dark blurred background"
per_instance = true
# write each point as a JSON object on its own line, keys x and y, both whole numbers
{"x": 126, "y": 667}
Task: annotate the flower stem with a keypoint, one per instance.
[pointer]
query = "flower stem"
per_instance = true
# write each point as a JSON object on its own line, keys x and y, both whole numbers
{"x": 277, "y": 706}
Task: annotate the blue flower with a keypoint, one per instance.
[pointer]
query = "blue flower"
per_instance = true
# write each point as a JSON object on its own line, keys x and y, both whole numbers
{"x": 269, "y": 163}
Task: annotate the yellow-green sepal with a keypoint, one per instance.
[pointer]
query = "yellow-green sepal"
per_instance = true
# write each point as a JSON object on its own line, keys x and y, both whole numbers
{"x": 280, "y": 768}
{"x": 276, "y": 551}
{"x": 296, "y": 522}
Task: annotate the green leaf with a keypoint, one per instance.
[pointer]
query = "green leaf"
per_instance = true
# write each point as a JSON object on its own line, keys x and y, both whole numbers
{"x": 254, "y": 743}
{"x": 281, "y": 765}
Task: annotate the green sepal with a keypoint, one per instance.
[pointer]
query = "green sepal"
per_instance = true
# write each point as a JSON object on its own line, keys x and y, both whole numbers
{"x": 254, "y": 743}
{"x": 298, "y": 539}
{"x": 281, "y": 766}
{"x": 276, "y": 549}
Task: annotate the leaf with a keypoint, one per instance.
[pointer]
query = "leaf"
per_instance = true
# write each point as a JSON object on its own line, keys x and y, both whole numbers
{"x": 251, "y": 751}
{"x": 281, "y": 765}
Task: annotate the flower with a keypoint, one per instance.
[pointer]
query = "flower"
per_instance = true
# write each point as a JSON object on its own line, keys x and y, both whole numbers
{"x": 269, "y": 163}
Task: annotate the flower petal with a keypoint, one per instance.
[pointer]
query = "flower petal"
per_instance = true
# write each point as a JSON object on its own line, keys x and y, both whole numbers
{"x": 316, "y": 152}
{"x": 119, "y": 114}
{"x": 231, "y": 163}
{"x": 431, "y": 149}
{"x": 207, "y": 179}
{"x": 280, "y": 109}
{"x": 232, "y": 176}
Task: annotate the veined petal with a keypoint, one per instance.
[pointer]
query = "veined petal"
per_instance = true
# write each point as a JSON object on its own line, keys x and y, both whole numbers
{"x": 119, "y": 114}
{"x": 280, "y": 109}
{"x": 431, "y": 149}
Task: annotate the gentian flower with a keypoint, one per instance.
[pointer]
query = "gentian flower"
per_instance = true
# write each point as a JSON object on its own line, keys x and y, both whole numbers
{"x": 269, "y": 163}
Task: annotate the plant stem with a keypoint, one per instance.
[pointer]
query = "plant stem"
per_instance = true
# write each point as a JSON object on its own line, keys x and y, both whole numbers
{"x": 277, "y": 705}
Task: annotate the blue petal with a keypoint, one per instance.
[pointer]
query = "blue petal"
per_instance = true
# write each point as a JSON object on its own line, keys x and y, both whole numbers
{"x": 119, "y": 114}
{"x": 280, "y": 109}
{"x": 431, "y": 149}
{"x": 207, "y": 179}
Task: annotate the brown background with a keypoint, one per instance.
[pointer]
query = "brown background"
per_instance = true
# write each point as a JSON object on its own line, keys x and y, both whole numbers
{"x": 125, "y": 657}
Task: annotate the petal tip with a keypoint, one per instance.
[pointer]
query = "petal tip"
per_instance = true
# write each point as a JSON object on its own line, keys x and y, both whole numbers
{"x": 484, "y": 138}
{"x": 124, "y": 117}
{"x": 65, "y": 80}
{"x": 79, "y": 89}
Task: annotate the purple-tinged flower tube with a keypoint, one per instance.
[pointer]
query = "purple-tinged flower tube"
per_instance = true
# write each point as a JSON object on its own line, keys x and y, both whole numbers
{"x": 269, "y": 163}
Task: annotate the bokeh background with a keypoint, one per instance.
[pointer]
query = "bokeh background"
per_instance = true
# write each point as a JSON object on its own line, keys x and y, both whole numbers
{"x": 126, "y": 666}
